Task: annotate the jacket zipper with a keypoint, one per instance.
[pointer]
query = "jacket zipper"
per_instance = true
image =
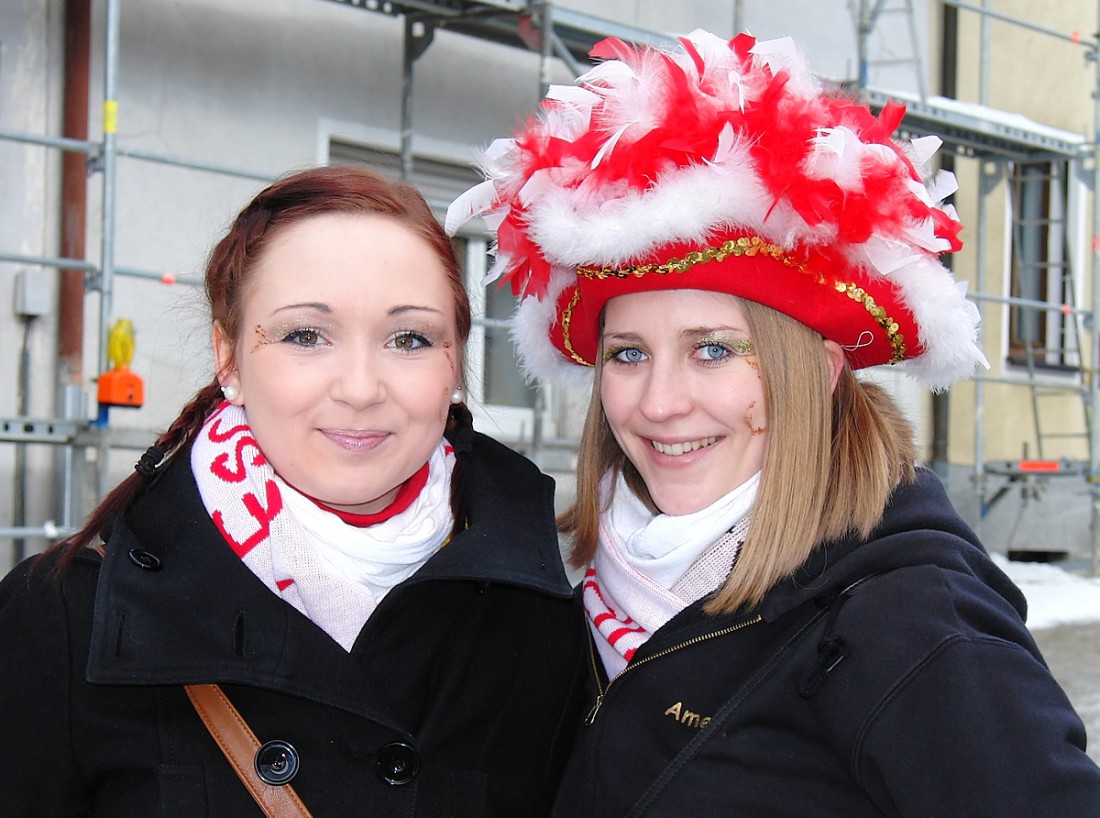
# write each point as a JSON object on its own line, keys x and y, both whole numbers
{"x": 601, "y": 691}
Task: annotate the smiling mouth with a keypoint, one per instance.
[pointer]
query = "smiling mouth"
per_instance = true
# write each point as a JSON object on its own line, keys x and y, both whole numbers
{"x": 354, "y": 440}
{"x": 677, "y": 449}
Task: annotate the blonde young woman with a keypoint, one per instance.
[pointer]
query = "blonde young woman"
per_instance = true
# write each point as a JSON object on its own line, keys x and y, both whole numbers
{"x": 786, "y": 615}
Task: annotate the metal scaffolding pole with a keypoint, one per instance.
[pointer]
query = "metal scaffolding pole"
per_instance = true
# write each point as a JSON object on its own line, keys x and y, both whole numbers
{"x": 545, "y": 12}
{"x": 1016, "y": 21}
{"x": 983, "y": 70}
{"x": 868, "y": 16}
{"x": 109, "y": 160}
{"x": 1094, "y": 347}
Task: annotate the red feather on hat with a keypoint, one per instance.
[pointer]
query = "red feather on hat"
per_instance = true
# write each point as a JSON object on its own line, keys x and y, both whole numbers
{"x": 653, "y": 149}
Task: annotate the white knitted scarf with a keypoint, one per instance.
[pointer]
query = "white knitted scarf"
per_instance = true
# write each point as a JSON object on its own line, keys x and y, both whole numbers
{"x": 331, "y": 571}
{"x": 650, "y": 567}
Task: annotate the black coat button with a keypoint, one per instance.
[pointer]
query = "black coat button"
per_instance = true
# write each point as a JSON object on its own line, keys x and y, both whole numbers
{"x": 144, "y": 559}
{"x": 398, "y": 763}
{"x": 276, "y": 762}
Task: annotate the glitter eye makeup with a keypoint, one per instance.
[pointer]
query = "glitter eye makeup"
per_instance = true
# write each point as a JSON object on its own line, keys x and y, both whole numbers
{"x": 302, "y": 333}
{"x": 305, "y": 333}
{"x": 623, "y": 355}
{"x": 714, "y": 349}
{"x": 418, "y": 336}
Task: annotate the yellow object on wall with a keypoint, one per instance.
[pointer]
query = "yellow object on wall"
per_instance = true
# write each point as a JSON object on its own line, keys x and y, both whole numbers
{"x": 119, "y": 386}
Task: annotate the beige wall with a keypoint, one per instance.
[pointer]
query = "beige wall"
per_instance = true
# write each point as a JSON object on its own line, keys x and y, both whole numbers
{"x": 1049, "y": 81}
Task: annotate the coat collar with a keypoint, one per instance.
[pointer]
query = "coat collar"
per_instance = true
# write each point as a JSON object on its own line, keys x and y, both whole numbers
{"x": 919, "y": 527}
{"x": 175, "y": 605}
{"x": 511, "y": 535}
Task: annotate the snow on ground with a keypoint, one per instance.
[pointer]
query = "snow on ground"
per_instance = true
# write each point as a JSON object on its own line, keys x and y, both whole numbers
{"x": 1054, "y": 596}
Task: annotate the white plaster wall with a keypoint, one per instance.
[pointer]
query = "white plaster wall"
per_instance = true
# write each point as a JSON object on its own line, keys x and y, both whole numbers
{"x": 30, "y": 71}
{"x": 256, "y": 85}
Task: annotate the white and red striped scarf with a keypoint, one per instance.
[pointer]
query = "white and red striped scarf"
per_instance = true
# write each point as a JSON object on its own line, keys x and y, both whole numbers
{"x": 650, "y": 567}
{"x": 333, "y": 572}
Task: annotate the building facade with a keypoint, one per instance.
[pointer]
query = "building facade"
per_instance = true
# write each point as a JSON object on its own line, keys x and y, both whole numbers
{"x": 205, "y": 100}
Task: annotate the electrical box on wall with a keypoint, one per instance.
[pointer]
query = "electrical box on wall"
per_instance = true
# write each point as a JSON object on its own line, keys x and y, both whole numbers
{"x": 32, "y": 294}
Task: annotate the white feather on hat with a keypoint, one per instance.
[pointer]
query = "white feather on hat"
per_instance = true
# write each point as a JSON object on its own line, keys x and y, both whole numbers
{"x": 718, "y": 140}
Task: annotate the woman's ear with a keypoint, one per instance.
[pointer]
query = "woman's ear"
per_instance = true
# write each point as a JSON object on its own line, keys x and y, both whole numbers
{"x": 834, "y": 354}
{"x": 227, "y": 373}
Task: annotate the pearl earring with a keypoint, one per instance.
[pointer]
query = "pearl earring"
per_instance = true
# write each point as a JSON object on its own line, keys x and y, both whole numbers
{"x": 458, "y": 395}
{"x": 230, "y": 391}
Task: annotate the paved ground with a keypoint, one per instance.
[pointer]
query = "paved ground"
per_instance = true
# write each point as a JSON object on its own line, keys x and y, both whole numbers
{"x": 1073, "y": 655}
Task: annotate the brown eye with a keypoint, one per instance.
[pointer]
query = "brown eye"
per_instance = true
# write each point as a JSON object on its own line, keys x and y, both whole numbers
{"x": 304, "y": 337}
{"x": 410, "y": 341}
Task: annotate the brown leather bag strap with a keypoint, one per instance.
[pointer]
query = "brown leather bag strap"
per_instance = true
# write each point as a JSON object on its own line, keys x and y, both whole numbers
{"x": 239, "y": 745}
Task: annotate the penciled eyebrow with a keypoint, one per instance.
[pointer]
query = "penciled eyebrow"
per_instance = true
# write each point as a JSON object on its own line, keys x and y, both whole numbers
{"x": 399, "y": 309}
{"x": 688, "y": 332}
{"x": 308, "y": 305}
{"x": 702, "y": 332}
{"x": 622, "y": 338}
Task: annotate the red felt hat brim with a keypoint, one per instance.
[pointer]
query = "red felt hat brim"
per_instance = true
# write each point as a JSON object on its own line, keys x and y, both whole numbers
{"x": 862, "y": 313}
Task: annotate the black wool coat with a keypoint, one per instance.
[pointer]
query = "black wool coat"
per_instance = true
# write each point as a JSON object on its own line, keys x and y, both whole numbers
{"x": 892, "y": 676}
{"x": 459, "y": 698}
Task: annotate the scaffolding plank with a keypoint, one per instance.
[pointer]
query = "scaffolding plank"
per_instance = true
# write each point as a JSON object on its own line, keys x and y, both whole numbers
{"x": 981, "y": 131}
{"x": 497, "y": 21}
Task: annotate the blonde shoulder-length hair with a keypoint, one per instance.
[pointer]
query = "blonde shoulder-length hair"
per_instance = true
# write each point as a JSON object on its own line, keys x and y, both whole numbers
{"x": 833, "y": 458}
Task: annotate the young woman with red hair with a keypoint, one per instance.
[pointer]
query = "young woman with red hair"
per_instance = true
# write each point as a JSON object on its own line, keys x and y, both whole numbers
{"x": 322, "y": 540}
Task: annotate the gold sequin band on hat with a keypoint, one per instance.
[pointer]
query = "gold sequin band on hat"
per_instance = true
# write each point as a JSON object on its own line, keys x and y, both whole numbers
{"x": 566, "y": 319}
{"x": 742, "y": 246}
{"x": 888, "y": 324}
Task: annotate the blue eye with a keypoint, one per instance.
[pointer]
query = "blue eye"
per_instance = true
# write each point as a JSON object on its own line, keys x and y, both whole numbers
{"x": 713, "y": 352}
{"x": 630, "y": 355}
{"x": 716, "y": 351}
{"x": 410, "y": 341}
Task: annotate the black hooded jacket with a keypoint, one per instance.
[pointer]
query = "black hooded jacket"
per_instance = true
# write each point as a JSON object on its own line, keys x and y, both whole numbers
{"x": 459, "y": 697}
{"x": 892, "y": 676}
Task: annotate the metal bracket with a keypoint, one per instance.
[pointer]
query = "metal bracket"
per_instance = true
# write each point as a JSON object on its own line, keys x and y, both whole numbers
{"x": 95, "y": 161}
{"x": 419, "y": 34}
{"x": 31, "y": 430}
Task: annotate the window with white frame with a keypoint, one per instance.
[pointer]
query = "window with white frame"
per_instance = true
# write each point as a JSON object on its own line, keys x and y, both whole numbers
{"x": 1045, "y": 334}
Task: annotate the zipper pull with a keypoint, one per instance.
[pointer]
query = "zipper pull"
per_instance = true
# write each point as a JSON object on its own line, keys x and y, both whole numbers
{"x": 591, "y": 717}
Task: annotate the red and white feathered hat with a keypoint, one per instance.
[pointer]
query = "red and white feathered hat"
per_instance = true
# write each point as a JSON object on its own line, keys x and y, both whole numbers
{"x": 724, "y": 166}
